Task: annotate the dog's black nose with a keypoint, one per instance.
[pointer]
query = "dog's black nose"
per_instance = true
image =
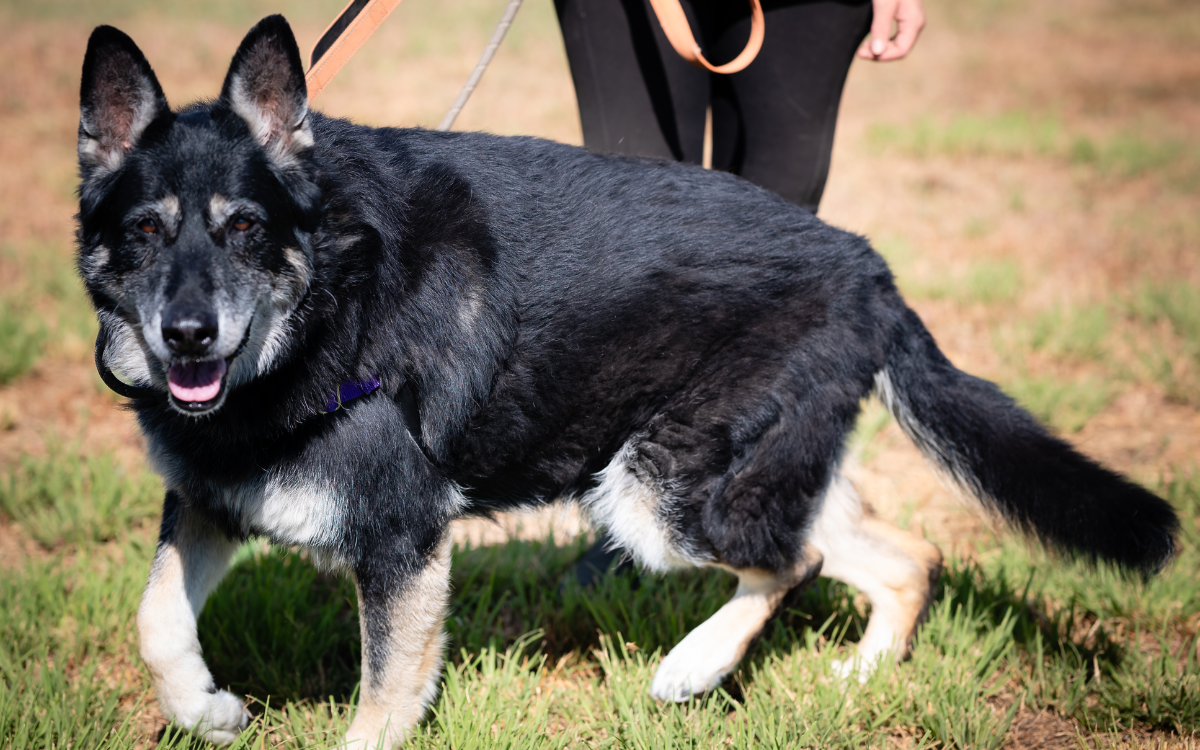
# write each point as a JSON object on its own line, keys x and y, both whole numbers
{"x": 189, "y": 331}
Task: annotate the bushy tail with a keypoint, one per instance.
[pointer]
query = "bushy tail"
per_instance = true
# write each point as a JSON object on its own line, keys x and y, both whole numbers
{"x": 1000, "y": 454}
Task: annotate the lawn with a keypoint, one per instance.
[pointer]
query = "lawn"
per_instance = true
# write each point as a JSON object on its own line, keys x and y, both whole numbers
{"x": 1033, "y": 176}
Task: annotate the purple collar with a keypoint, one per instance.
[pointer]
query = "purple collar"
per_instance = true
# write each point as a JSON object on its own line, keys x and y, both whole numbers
{"x": 351, "y": 389}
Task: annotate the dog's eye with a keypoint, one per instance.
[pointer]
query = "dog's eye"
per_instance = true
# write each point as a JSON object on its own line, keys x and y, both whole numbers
{"x": 148, "y": 226}
{"x": 241, "y": 224}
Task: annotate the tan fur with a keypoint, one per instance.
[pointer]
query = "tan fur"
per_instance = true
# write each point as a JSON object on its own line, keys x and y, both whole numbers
{"x": 92, "y": 264}
{"x": 393, "y": 701}
{"x": 895, "y": 569}
{"x": 916, "y": 589}
{"x": 218, "y": 210}
{"x": 296, "y": 260}
{"x": 710, "y": 652}
{"x": 183, "y": 574}
{"x": 758, "y": 597}
{"x": 171, "y": 208}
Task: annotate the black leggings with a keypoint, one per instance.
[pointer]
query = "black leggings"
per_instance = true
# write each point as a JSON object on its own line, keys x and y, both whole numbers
{"x": 773, "y": 122}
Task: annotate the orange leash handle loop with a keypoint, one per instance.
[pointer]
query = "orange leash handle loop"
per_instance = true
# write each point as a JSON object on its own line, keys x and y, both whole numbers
{"x": 679, "y": 34}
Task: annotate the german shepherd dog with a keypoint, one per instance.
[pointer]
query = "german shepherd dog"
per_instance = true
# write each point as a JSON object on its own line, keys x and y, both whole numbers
{"x": 342, "y": 338}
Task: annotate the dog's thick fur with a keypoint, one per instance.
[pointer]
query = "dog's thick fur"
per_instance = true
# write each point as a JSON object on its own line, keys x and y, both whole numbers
{"x": 682, "y": 352}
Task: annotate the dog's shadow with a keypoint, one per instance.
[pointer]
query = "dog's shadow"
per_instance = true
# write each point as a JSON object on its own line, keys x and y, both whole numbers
{"x": 279, "y": 630}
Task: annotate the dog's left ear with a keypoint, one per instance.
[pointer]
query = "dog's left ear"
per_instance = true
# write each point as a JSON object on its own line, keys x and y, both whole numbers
{"x": 265, "y": 87}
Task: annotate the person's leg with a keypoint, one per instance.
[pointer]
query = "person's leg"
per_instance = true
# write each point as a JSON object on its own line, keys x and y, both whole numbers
{"x": 602, "y": 558}
{"x": 636, "y": 95}
{"x": 773, "y": 123}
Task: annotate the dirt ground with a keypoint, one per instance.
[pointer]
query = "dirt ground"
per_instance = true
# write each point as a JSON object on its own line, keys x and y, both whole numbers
{"x": 1100, "y": 67}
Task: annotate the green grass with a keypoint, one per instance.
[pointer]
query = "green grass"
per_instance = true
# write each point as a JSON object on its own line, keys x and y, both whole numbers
{"x": 1075, "y": 334}
{"x": 277, "y": 627}
{"x": 1012, "y": 134}
{"x": 1172, "y": 358}
{"x": 69, "y": 497}
{"x": 1151, "y": 336}
{"x": 493, "y": 700}
{"x": 41, "y": 706}
{"x": 22, "y": 335}
{"x": 1140, "y": 635}
{"x": 1018, "y": 134}
{"x": 871, "y": 421}
{"x": 51, "y": 284}
{"x": 46, "y": 309}
{"x": 1069, "y": 335}
{"x": 983, "y": 281}
{"x": 1066, "y": 405}
{"x": 1127, "y": 155}
{"x": 990, "y": 282}
{"x": 533, "y": 667}
{"x": 1178, "y": 304}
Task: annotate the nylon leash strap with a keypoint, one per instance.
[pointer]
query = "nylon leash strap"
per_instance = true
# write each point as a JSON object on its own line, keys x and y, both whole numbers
{"x": 679, "y": 34}
{"x": 352, "y": 27}
{"x": 360, "y": 18}
{"x": 355, "y": 24}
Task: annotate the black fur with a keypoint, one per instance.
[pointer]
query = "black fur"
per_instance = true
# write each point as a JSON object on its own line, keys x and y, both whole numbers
{"x": 1002, "y": 455}
{"x": 531, "y": 308}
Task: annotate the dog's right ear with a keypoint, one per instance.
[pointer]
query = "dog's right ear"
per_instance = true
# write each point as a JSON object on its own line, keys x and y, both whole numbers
{"x": 119, "y": 97}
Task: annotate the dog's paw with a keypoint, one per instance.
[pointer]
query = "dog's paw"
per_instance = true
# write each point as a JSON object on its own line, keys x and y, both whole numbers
{"x": 686, "y": 672}
{"x": 853, "y": 669}
{"x": 217, "y": 717}
{"x": 365, "y": 734}
{"x": 226, "y": 720}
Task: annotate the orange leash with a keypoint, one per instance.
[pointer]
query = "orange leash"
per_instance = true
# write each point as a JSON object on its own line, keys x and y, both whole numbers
{"x": 679, "y": 34}
{"x": 353, "y": 26}
{"x": 360, "y": 18}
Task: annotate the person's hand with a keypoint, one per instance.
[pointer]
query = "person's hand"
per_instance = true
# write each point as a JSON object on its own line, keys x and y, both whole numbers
{"x": 881, "y": 46}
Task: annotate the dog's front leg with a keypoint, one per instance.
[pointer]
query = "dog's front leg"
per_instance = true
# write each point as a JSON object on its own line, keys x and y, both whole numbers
{"x": 192, "y": 557}
{"x": 402, "y": 641}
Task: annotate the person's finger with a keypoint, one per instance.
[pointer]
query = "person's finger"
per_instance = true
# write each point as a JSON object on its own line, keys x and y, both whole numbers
{"x": 877, "y": 43}
{"x": 910, "y": 19}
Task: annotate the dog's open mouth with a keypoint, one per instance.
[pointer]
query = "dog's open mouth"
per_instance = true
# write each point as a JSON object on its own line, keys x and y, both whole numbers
{"x": 196, "y": 385}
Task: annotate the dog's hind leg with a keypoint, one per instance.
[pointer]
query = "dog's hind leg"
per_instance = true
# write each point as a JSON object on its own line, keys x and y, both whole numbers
{"x": 896, "y": 570}
{"x": 191, "y": 559}
{"x": 402, "y": 640}
{"x": 710, "y": 652}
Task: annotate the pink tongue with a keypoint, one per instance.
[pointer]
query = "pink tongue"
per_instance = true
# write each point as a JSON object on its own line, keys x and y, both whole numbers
{"x": 196, "y": 382}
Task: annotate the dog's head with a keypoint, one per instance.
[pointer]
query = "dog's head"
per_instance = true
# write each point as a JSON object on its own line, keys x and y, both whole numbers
{"x": 195, "y": 226}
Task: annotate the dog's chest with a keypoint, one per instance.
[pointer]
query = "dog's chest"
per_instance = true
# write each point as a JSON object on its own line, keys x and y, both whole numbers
{"x": 289, "y": 510}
